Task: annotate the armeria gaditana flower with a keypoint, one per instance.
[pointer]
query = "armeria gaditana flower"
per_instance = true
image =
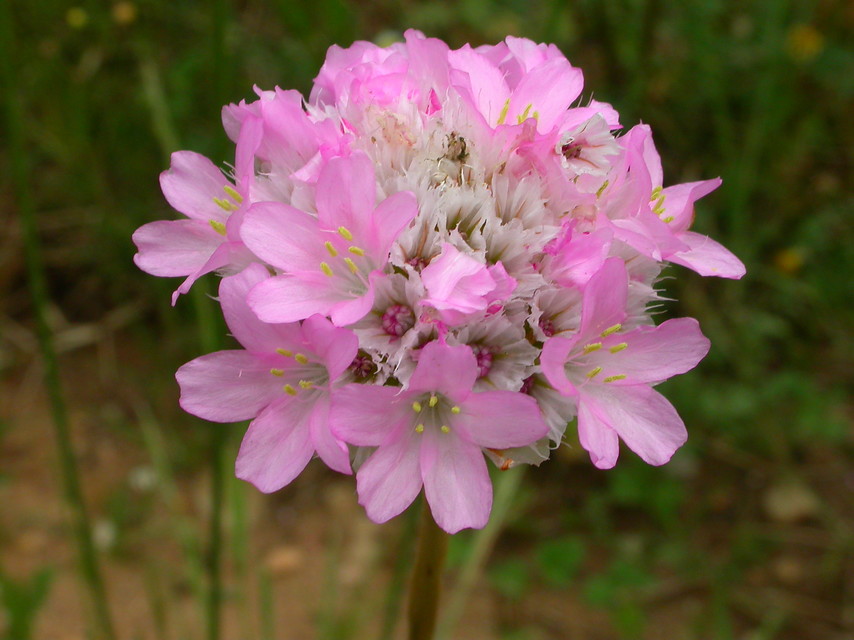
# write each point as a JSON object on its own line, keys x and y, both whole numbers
{"x": 438, "y": 258}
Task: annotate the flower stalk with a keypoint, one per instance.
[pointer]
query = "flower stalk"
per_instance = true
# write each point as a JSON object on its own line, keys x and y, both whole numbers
{"x": 425, "y": 587}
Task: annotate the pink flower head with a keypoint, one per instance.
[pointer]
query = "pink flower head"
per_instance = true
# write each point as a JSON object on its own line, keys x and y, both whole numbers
{"x": 329, "y": 262}
{"x": 282, "y": 380}
{"x": 433, "y": 434}
{"x": 610, "y": 370}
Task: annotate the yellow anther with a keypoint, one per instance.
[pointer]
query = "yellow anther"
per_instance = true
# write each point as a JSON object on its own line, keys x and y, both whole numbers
{"x": 233, "y": 193}
{"x": 445, "y": 428}
{"x": 277, "y": 372}
{"x": 330, "y": 248}
{"x": 419, "y": 428}
{"x": 619, "y": 376}
{"x": 433, "y": 401}
{"x": 455, "y": 410}
{"x": 306, "y": 384}
{"x": 289, "y": 390}
{"x": 416, "y": 407}
{"x": 655, "y": 193}
{"x": 593, "y": 346}
{"x": 324, "y": 266}
{"x": 612, "y": 329}
{"x": 524, "y": 116}
{"x": 618, "y": 347}
{"x": 344, "y": 232}
{"x": 301, "y": 358}
{"x": 351, "y": 265}
{"x": 218, "y": 226}
{"x": 503, "y": 115}
{"x": 602, "y": 188}
{"x": 358, "y": 251}
{"x": 227, "y": 205}
{"x": 594, "y": 372}
{"x": 285, "y": 352}
{"x": 668, "y": 219}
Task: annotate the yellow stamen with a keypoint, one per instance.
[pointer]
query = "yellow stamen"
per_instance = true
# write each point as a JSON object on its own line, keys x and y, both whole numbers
{"x": 233, "y": 193}
{"x": 668, "y": 219}
{"x": 618, "y": 347}
{"x": 602, "y": 188}
{"x": 455, "y": 410}
{"x": 289, "y": 390}
{"x": 351, "y": 265}
{"x": 306, "y": 384}
{"x": 619, "y": 376}
{"x": 324, "y": 266}
{"x": 218, "y": 226}
{"x": 416, "y": 407}
{"x": 277, "y": 372}
{"x": 503, "y": 115}
{"x": 594, "y": 372}
{"x": 655, "y": 193}
{"x": 344, "y": 232}
{"x": 521, "y": 118}
{"x": 330, "y": 248}
{"x": 433, "y": 401}
{"x": 419, "y": 428}
{"x": 285, "y": 352}
{"x": 356, "y": 251}
{"x": 445, "y": 428}
{"x": 536, "y": 115}
{"x": 593, "y": 346}
{"x": 302, "y": 359}
{"x": 612, "y": 329}
{"x": 226, "y": 205}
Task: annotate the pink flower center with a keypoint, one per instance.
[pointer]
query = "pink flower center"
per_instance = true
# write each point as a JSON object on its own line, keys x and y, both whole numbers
{"x": 483, "y": 355}
{"x": 547, "y": 327}
{"x": 397, "y": 320}
{"x": 362, "y": 366}
{"x": 527, "y": 385}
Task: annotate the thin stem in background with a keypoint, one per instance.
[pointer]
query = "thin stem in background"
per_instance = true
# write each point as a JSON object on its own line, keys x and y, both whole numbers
{"x": 426, "y": 576}
{"x": 38, "y": 289}
{"x": 403, "y": 559}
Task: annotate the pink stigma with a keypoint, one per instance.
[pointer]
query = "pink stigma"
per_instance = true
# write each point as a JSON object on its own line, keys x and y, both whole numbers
{"x": 484, "y": 359}
{"x": 547, "y": 327}
{"x": 397, "y": 320}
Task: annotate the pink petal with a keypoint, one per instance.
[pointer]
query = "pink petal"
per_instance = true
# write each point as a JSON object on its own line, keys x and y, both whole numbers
{"x": 456, "y": 481}
{"x": 389, "y": 480}
{"x": 550, "y": 89}
{"x": 336, "y": 347}
{"x": 707, "y": 257}
{"x": 346, "y": 192}
{"x": 190, "y": 185}
{"x": 330, "y": 449}
{"x": 227, "y": 386}
{"x": 292, "y": 298}
{"x": 553, "y": 360}
{"x": 346, "y": 312}
{"x": 277, "y": 446}
{"x": 222, "y": 257}
{"x": 597, "y": 438}
{"x": 244, "y": 325}
{"x": 500, "y": 419}
{"x": 679, "y": 201}
{"x": 641, "y": 416}
{"x": 367, "y": 415}
{"x": 170, "y": 248}
{"x": 604, "y": 303}
{"x": 391, "y": 217}
{"x": 286, "y": 238}
{"x": 442, "y": 368}
{"x": 652, "y": 354}
{"x": 482, "y": 81}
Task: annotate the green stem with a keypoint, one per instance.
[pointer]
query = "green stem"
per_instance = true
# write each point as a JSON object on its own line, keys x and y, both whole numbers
{"x": 426, "y": 577}
{"x": 38, "y": 288}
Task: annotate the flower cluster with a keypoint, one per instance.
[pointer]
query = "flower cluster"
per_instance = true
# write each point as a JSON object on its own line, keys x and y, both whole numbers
{"x": 439, "y": 257}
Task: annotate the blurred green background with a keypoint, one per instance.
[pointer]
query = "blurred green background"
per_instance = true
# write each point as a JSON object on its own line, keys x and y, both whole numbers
{"x": 747, "y": 534}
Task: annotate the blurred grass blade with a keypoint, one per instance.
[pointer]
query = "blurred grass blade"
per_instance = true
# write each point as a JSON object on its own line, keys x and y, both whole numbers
{"x": 507, "y": 485}
{"x": 22, "y": 601}
{"x": 38, "y": 290}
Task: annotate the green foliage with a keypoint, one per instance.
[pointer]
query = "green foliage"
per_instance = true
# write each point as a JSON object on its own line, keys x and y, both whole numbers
{"x": 22, "y": 601}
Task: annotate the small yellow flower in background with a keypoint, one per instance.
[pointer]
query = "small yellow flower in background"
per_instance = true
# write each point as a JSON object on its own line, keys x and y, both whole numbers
{"x": 789, "y": 260}
{"x": 76, "y": 17}
{"x": 124, "y": 13}
{"x": 804, "y": 42}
